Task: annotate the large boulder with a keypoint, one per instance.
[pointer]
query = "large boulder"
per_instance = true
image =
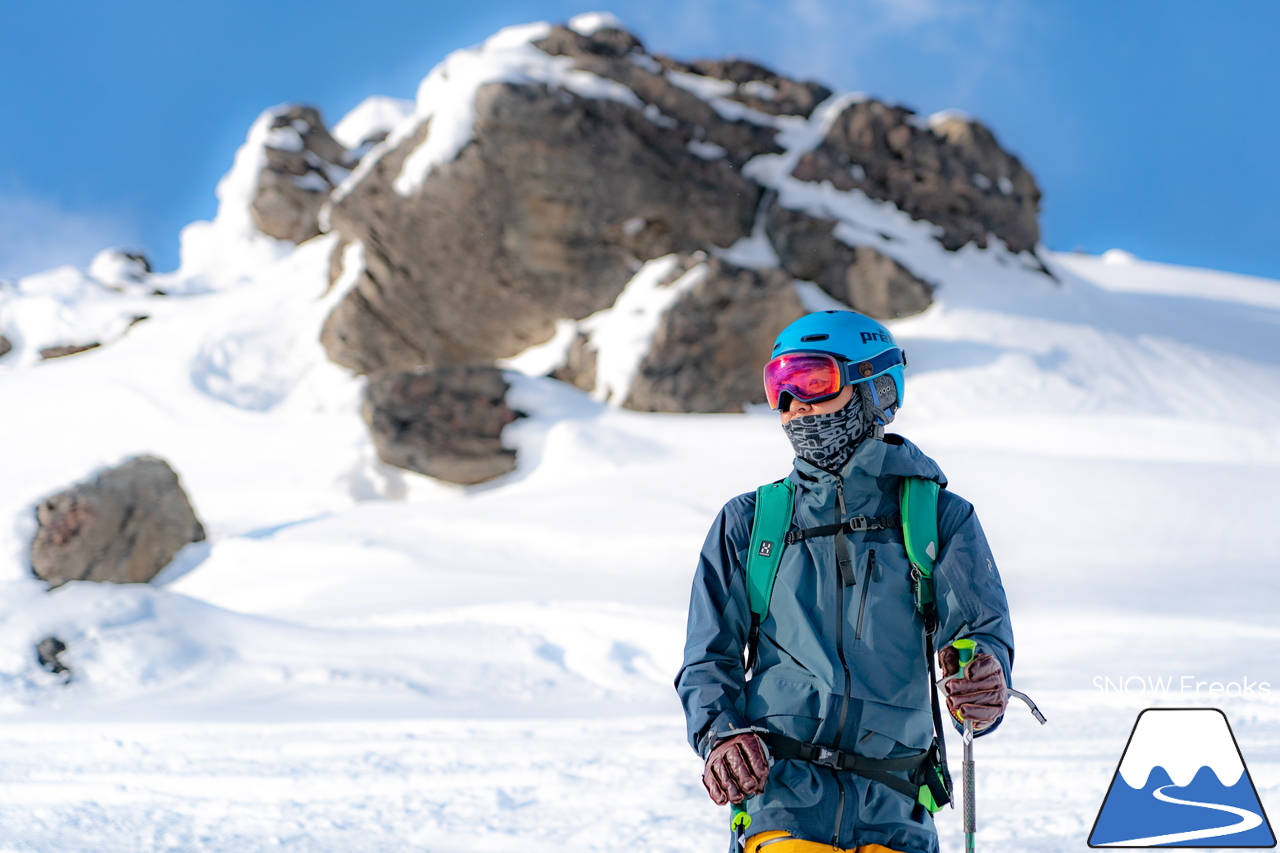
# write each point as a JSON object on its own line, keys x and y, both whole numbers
{"x": 711, "y": 344}
{"x": 859, "y": 276}
{"x": 952, "y": 173}
{"x": 304, "y": 164}
{"x": 123, "y": 526}
{"x": 541, "y": 217}
{"x": 445, "y": 423}
{"x": 544, "y": 215}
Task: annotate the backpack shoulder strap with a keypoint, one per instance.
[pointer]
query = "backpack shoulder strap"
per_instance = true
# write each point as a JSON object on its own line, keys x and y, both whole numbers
{"x": 918, "y": 504}
{"x": 775, "y": 504}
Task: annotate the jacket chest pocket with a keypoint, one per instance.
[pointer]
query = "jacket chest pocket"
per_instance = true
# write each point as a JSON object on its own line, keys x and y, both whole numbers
{"x": 883, "y": 603}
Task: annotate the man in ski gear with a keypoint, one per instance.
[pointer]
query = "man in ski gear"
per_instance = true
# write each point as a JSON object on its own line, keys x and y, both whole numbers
{"x": 818, "y": 717}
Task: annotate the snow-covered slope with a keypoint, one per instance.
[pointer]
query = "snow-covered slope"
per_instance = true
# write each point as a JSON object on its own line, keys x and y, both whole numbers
{"x": 1117, "y": 426}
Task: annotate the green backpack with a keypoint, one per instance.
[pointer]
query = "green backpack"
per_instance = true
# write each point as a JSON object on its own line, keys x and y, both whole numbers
{"x": 770, "y": 534}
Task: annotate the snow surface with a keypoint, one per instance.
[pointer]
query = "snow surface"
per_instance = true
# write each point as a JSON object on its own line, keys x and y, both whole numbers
{"x": 361, "y": 658}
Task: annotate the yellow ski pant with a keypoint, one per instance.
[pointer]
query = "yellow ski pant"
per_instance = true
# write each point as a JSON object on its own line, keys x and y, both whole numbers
{"x": 777, "y": 841}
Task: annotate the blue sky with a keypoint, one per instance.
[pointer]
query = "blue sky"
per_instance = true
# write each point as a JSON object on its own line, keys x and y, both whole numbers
{"x": 1151, "y": 125}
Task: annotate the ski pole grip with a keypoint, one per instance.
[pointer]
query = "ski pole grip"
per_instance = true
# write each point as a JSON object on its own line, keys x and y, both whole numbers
{"x": 965, "y": 651}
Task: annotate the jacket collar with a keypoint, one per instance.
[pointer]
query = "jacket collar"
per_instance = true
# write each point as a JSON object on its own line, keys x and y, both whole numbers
{"x": 893, "y": 457}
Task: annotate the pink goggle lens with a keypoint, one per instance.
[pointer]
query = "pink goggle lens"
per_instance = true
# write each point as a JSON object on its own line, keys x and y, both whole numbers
{"x": 805, "y": 376}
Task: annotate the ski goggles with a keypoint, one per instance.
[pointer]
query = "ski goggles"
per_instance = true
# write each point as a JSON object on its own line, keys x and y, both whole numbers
{"x": 812, "y": 377}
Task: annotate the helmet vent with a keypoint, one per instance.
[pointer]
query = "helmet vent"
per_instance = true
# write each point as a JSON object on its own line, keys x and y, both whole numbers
{"x": 811, "y": 338}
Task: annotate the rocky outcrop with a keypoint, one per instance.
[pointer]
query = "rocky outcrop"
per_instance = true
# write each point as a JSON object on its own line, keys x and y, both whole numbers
{"x": 123, "y": 526}
{"x": 5, "y": 346}
{"x": 952, "y": 173}
{"x": 860, "y": 277}
{"x": 712, "y": 343}
{"x": 602, "y": 157}
{"x": 444, "y": 423}
{"x": 542, "y": 217}
{"x": 304, "y": 164}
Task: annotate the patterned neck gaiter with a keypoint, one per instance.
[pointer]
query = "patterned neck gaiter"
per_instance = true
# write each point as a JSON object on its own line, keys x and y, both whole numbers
{"x": 828, "y": 441}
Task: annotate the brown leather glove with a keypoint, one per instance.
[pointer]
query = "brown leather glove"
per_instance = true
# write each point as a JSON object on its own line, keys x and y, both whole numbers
{"x": 737, "y": 768}
{"x": 981, "y": 695}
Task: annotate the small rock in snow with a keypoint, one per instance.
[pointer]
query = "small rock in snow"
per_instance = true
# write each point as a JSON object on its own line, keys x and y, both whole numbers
{"x": 123, "y": 526}
{"x": 47, "y": 651}
{"x": 67, "y": 349}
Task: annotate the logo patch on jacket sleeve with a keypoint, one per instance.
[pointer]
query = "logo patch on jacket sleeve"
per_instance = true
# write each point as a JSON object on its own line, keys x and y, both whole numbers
{"x": 766, "y": 548}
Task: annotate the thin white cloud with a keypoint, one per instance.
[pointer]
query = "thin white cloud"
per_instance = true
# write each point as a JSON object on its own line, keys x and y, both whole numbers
{"x": 848, "y": 41}
{"x": 37, "y": 234}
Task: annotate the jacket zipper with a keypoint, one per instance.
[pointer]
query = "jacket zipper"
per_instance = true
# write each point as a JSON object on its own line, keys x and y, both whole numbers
{"x": 844, "y": 665}
{"x": 872, "y": 573}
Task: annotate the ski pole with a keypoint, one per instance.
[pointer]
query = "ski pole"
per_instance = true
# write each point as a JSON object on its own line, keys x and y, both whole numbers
{"x": 964, "y": 650}
{"x": 739, "y": 823}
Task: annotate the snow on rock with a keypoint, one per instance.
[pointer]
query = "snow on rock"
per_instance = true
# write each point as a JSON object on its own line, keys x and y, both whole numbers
{"x": 304, "y": 164}
{"x": 621, "y": 335}
{"x": 227, "y": 251}
{"x": 446, "y": 98}
{"x": 684, "y": 336}
{"x": 53, "y": 312}
{"x": 370, "y": 121}
{"x": 590, "y": 23}
{"x": 126, "y": 271}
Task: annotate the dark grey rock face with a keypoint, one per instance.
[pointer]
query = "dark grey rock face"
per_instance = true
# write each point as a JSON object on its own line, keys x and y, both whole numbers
{"x": 541, "y": 217}
{"x": 712, "y": 344}
{"x": 122, "y": 527}
{"x": 954, "y": 175}
{"x": 5, "y": 345}
{"x": 296, "y": 183}
{"x": 444, "y": 423}
{"x": 860, "y": 277}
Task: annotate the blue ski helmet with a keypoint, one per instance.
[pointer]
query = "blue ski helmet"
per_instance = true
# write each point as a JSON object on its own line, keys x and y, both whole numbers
{"x": 865, "y": 348}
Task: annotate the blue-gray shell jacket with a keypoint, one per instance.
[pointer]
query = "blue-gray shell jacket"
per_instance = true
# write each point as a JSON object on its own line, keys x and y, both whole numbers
{"x": 840, "y": 666}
